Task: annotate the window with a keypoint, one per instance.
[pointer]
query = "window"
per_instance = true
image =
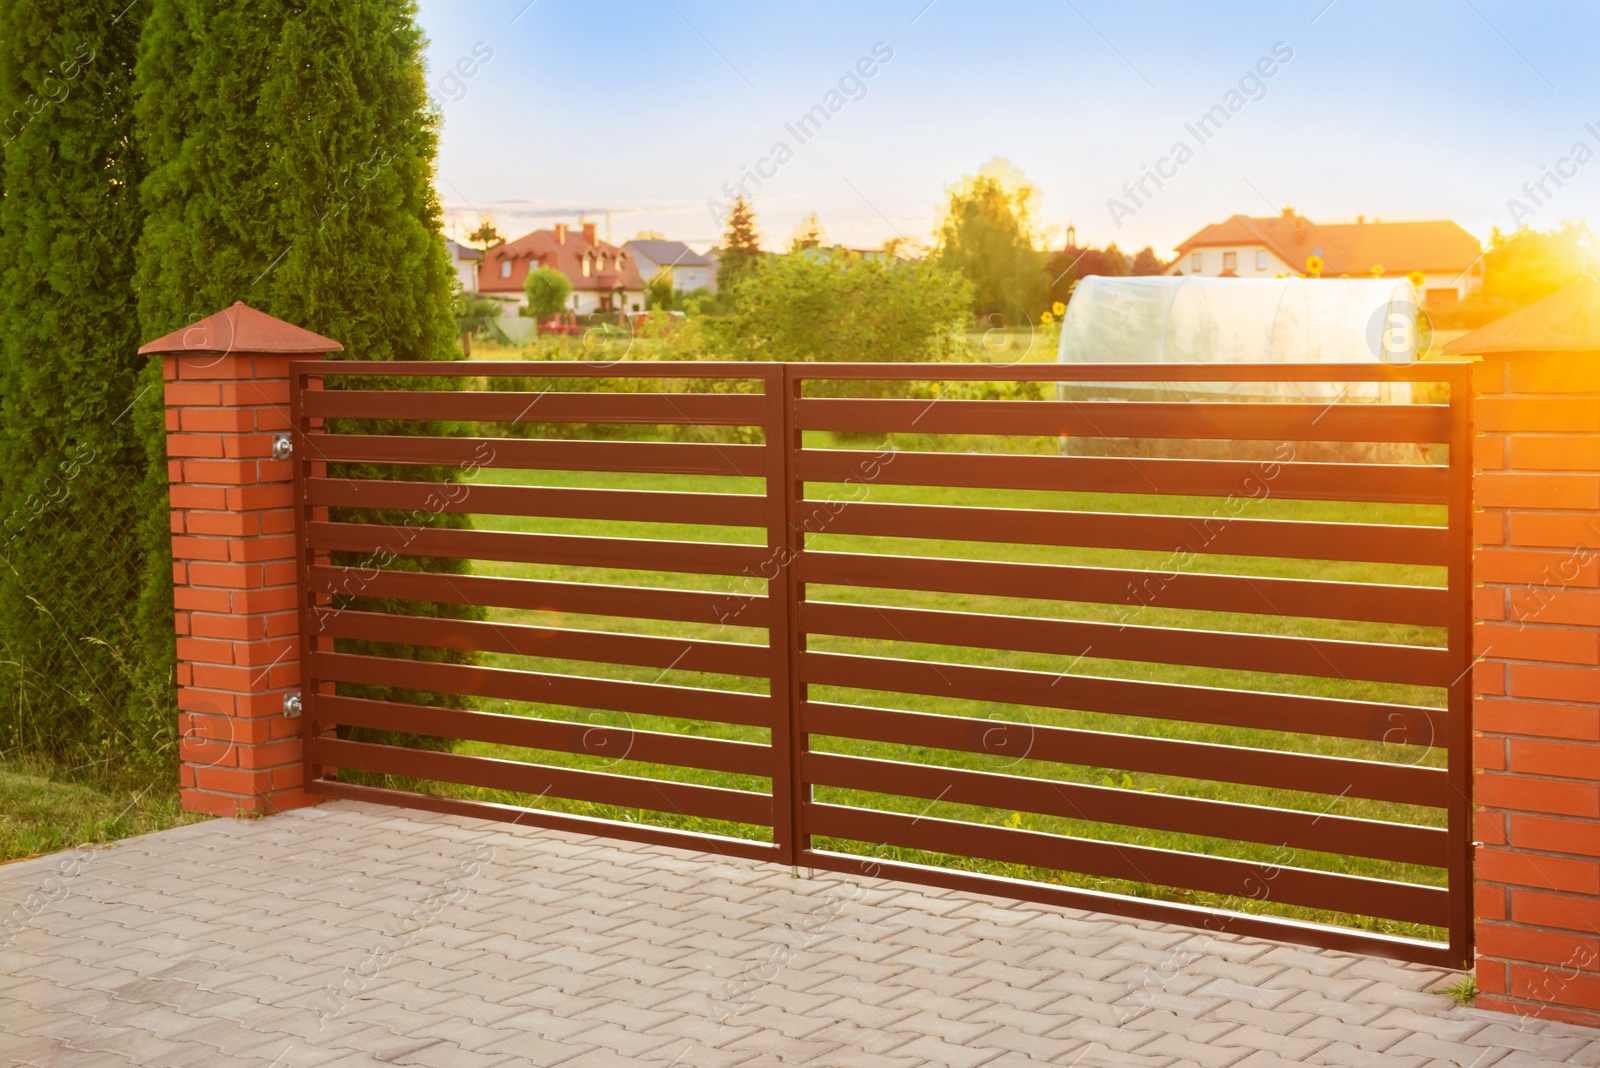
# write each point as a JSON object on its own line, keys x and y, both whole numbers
{"x": 1230, "y": 261}
{"x": 1261, "y": 260}
{"x": 505, "y": 268}
{"x": 588, "y": 266}
{"x": 1194, "y": 262}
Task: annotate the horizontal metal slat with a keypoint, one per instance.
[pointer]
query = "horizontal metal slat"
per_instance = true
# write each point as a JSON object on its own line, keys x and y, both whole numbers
{"x": 706, "y": 509}
{"x": 1430, "y": 371}
{"x": 722, "y": 369}
{"x": 1367, "y": 602}
{"x": 1387, "y": 483}
{"x": 530, "y": 732}
{"x": 1289, "y": 828}
{"x": 687, "y": 606}
{"x": 1009, "y": 740}
{"x": 1406, "y": 902}
{"x": 596, "y": 646}
{"x": 1317, "y": 657}
{"x": 571, "y": 691}
{"x": 1397, "y": 725}
{"x": 710, "y": 802}
{"x": 646, "y": 457}
{"x": 1133, "y": 419}
{"x": 1212, "y": 535}
{"x": 699, "y": 558}
{"x": 656, "y": 409}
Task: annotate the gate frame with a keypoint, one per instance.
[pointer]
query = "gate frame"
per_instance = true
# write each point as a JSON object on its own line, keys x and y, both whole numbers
{"x": 783, "y": 384}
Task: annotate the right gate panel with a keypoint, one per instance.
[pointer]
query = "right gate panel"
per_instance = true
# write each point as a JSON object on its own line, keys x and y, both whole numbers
{"x": 1196, "y": 650}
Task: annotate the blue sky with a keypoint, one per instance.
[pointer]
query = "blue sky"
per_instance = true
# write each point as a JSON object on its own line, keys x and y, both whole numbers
{"x": 1395, "y": 109}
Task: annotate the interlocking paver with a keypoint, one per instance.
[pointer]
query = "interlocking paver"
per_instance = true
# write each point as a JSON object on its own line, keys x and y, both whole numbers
{"x": 218, "y": 944}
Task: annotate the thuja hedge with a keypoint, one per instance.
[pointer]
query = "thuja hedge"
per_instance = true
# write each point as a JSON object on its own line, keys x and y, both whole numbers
{"x": 205, "y": 152}
{"x": 71, "y": 458}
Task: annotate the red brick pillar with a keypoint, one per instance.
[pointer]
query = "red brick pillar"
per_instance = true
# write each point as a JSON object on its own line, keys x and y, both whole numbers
{"x": 227, "y": 396}
{"x": 1537, "y": 634}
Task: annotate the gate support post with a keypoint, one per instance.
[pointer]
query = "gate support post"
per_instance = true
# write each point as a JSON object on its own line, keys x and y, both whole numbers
{"x": 1536, "y": 560}
{"x": 226, "y": 382}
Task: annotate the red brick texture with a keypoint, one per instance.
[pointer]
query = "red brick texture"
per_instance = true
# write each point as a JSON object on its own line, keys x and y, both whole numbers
{"x": 1537, "y": 714}
{"x": 233, "y": 555}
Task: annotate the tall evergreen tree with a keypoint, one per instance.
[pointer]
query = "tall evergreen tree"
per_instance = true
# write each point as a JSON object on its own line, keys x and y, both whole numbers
{"x": 741, "y": 245}
{"x": 70, "y": 455}
{"x": 291, "y": 150}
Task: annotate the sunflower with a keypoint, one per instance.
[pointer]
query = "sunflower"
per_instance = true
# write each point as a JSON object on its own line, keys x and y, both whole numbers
{"x": 1058, "y": 308}
{"x": 1417, "y": 278}
{"x": 1313, "y": 265}
{"x": 1047, "y": 318}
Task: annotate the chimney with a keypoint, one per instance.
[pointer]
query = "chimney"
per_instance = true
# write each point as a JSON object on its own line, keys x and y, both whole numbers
{"x": 1288, "y": 213}
{"x": 588, "y": 233}
{"x": 1360, "y": 219}
{"x": 561, "y": 233}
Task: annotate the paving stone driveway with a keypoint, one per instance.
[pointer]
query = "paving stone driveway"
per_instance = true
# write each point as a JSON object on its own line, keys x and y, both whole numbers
{"x": 355, "y": 935}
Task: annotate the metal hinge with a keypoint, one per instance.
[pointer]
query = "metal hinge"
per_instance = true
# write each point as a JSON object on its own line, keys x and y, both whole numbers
{"x": 291, "y": 705}
{"x": 282, "y": 447}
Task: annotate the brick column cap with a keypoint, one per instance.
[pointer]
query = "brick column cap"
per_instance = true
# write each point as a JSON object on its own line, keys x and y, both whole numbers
{"x": 240, "y": 328}
{"x": 1568, "y": 320}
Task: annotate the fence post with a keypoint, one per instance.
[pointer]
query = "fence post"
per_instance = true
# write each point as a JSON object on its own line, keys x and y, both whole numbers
{"x": 1536, "y": 560}
{"x": 233, "y": 547}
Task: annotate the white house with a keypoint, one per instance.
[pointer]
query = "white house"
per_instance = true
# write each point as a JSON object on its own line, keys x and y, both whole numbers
{"x": 1448, "y": 258}
{"x": 465, "y": 260}
{"x": 689, "y": 269}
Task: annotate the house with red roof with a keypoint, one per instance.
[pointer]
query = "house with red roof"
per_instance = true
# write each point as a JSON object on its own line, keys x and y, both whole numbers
{"x": 604, "y": 278}
{"x": 1449, "y": 259}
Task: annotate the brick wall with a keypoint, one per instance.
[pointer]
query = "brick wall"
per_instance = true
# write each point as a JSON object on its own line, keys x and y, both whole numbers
{"x": 1537, "y": 682}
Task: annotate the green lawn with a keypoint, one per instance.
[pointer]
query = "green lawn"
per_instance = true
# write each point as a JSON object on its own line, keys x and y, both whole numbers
{"x": 43, "y": 812}
{"x": 1265, "y": 854}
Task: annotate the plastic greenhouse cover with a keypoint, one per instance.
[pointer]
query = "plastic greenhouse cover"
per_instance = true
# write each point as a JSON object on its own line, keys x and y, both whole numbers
{"x": 1236, "y": 320}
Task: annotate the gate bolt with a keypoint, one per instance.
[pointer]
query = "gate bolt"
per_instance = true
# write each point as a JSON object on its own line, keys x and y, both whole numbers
{"x": 291, "y": 705}
{"x": 282, "y": 447}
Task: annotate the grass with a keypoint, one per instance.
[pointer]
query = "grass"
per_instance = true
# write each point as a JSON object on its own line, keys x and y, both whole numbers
{"x": 1267, "y": 855}
{"x": 43, "y": 811}
{"x": 1464, "y": 991}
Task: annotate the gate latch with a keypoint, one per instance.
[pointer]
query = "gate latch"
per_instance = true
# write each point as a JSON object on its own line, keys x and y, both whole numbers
{"x": 291, "y": 705}
{"x": 282, "y": 446}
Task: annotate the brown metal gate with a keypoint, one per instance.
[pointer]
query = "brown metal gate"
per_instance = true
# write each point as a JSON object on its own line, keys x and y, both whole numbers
{"x": 793, "y": 716}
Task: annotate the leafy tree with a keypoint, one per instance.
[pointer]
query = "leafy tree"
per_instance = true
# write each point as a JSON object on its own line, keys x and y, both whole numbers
{"x": 547, "y": 290}
{"x": 987, "y": 235}
{"x": 291, "y": 153}
{"x": 1526, "y": 264}
{"x": 1146, "y": 262}
{"x": 658, "y": 292}
{"x": 71, "y": 459}
{"x": 1068, "y": 266}
{"x": 741, "y": 245}
{"x": 486, "y": 235}
{"x": 843, "y": 307}
{"x": 648, "y": 235}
